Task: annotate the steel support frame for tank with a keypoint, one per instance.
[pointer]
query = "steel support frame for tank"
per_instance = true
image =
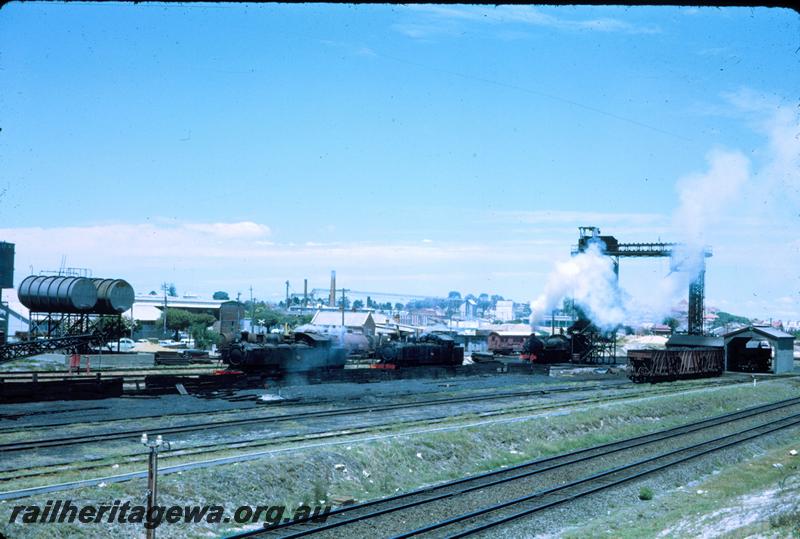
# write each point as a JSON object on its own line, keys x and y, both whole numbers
{"x": 52, "y": 325}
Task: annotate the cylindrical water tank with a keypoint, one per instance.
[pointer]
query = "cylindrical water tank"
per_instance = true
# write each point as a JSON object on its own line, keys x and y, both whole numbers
{"x": 114, "y": 296}
{"x": 57, "y": 294}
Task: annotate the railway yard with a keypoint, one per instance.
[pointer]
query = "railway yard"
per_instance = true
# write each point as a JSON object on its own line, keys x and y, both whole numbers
{"x": 528, "y": 453}
{"x": 334, "y": 433}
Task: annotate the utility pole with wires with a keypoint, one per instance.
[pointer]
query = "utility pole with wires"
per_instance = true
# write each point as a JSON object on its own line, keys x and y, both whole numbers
{"x": 152, "y": 481}
{"x": 165, "y": 288}
{"x": 252, "y": 312}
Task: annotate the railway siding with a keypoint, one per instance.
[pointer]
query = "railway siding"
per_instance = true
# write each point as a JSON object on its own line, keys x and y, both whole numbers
{"x": 378, "y": 467}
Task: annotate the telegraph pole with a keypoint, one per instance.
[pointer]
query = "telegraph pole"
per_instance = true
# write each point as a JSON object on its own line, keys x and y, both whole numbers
{"x": 164, "y": 287}
{"x": 152, "y": 480}
{"x": 252, "y": 312}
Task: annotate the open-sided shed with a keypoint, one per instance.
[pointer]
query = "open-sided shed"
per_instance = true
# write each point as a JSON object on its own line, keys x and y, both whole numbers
{"x": 744, "y": 348}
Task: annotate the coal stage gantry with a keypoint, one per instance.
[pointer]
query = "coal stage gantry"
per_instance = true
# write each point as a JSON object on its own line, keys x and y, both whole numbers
{"x": 613, "y": 248}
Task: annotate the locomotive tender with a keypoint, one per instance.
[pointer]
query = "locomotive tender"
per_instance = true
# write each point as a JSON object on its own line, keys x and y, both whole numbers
{"x": 429, "y": 349}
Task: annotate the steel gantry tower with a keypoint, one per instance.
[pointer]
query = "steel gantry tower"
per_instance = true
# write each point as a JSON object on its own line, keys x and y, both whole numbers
{"x": 616, "y": 250}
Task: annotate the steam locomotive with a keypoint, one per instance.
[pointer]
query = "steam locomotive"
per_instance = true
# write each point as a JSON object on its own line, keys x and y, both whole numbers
{"x": 561, "y": 347}
{"x": 282, "y": 354}
{"x": 428, "y": 349}
{"x": 749, "y": 355}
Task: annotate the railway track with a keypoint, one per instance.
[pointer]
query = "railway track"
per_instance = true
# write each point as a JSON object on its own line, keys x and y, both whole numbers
{"x": 65, "y": 441}
{"x": 259, "y": 442}
{"x": 367, "y": 518}
{"x": 212, "y": 452}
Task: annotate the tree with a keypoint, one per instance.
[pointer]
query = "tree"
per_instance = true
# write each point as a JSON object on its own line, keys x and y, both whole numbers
{"x": 454, "y": 294}
{"x": 198, "y": 329}
{"x": 484, "y": 304}
{"x": 195, "y": 323}
{"x": 398, "y": 306}
{"x": 358, "y": 304}
{"x": 171, "y": 291}
{"x": 267, "y": 316}
{"x": 723, "y": 319}
{"x": 672, "y": 322}
{"x": 177, "y": 319}
{"x": 220, "y": 295}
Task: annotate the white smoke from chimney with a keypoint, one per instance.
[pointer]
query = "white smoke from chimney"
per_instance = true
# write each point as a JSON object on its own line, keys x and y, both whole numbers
{"x": 589, "y": 279}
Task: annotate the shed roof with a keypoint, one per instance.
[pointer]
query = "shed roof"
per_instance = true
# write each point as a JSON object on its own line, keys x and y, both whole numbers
{"x": 334, "y": 318}
{"x": 766, "y": 331}
{"x": 511, "y": 333}
{"x": 143, "y": 312}
{"x": 695, "y": 340}
{"x": 381, "y": 318}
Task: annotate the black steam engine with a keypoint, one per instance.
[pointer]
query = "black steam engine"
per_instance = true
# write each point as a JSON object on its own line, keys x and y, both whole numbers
{"x": 582, "y": 343}
{"x": 429, "y": 349}
{"x": 749, "y": 355}
{"x": 282, "y": 354}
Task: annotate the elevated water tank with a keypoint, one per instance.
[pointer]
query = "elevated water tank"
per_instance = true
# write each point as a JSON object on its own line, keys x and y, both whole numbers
{"x": 114, "y": 296}
{"x": 57, "y": 294}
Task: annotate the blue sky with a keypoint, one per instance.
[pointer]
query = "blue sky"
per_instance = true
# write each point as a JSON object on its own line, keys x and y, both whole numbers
{"x": 416, "y": 149}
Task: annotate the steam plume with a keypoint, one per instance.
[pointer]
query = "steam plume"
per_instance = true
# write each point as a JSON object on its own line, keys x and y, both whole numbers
{"x": 589, "y": 279}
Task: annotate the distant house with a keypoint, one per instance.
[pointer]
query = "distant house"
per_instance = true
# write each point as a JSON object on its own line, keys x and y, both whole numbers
{"x": 661, "y": 329}
{"x": 147, "y": 318}
{"x": 146, "y": 311}
{"x": 504, "y": 310}
{"x": 507, "y": 342}
{"x": 355, "y": 322}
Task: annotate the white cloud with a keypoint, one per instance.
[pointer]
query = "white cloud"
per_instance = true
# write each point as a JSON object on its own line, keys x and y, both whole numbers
{"x": 244, "y": 229}
{"x": 561, "y": 217}
{"x": 511, "y": 14}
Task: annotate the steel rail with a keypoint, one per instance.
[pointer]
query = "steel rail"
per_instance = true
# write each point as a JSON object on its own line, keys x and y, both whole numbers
{"x": 102, "y": 437}
{"x": 771, "y": 426}
{"x": 604, "y": 449}
{"x": 288, "y": 403}
{"x": 262, "y": 442}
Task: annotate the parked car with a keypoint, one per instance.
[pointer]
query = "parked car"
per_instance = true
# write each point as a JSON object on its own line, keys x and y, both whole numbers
{"x": 125, "y": 345}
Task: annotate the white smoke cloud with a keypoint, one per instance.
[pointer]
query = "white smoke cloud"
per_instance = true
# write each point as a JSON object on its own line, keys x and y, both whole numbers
{"x": 705, "y": 196}
{"x": 589, "y": 279}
